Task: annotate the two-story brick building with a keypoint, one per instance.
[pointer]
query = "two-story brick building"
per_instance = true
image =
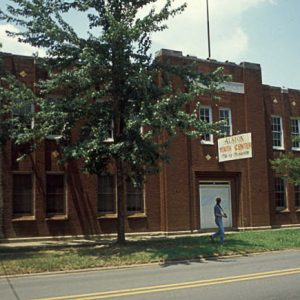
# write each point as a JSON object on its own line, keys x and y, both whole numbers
{"x": 45, "y": 199}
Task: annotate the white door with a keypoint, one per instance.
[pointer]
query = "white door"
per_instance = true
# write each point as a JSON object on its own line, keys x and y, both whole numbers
{"x": 208, "y": 193}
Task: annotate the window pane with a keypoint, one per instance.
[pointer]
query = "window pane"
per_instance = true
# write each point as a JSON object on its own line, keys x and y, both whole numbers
{"x": 134, "y": 198}
{"x": 297, "y": 195}
{"x": 106, "y": 193}
{"x": 206, "y": 115}
{"x": 279, "y": 193}
{"x": 225, "y": 115}
{"x": 295, "y": 133}
{"x": 277, "y": 133}
{"x": 23, "y": 113}
{"x": 22, "y": 194}
{"x": 55, "y": 194}
{"x": 276, "y": 139}
{"x": 110, "y": 132}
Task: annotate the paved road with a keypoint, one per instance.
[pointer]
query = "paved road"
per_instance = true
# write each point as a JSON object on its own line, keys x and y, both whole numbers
{"x": 264, "y": 276}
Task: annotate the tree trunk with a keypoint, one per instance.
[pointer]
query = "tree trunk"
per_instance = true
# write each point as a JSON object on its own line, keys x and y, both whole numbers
{"x": 1, "y": 193}
{"x": 121, "y": 204}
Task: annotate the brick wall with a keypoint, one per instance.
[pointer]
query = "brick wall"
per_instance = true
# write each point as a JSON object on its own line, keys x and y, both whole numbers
{"x": 284, "y": 103}
{"x": 172, "y": 197}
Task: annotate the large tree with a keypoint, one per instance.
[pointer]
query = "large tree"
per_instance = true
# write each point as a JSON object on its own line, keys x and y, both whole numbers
{"x": 109, "y": 84}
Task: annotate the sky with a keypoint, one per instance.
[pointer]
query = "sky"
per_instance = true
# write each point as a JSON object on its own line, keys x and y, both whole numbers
{"x": 266, "y": 32}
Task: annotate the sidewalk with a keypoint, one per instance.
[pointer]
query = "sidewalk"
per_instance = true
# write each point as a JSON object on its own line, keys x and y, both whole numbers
{"x": 81, "y": 241}
{"x": 68, "y": 241}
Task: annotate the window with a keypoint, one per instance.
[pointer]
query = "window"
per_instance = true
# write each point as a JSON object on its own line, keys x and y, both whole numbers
{"x": 297, "y": 196}
{"x": 22, "y": 113}
{"x": 225, "y": 115}
{"x": 110, "y": 133}
{"x": 134, "y": 198}
{"x": 277, "y": 132}
{"x": 206, "y": 115}
{"x": 55, "y": 194}
{"x": 55, "y": 130}
{"x": 22, "y": 194}
{"x": 295, "y": 132}
{"x": 279, "y": 193}
{"x": 106, "y": 194}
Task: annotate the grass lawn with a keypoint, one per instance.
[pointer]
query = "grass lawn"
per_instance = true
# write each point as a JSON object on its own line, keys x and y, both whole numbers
{"x": 35, "y": 260}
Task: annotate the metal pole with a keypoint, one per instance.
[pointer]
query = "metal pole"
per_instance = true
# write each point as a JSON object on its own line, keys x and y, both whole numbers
{"x": 208, "y": 32}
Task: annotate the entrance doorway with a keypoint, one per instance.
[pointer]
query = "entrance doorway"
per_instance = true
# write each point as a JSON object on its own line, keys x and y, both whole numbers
{"x": 208, "y": 192}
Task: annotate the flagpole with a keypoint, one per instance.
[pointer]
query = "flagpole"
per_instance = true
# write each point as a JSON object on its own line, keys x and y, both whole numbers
{"x": 208, "y": 31}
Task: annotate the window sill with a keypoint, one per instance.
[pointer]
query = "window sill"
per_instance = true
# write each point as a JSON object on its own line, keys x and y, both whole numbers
{"x": 109, "y": 140}
{"x": 298, "y": 210}
{"x": 56, "y": 218}
{"x": 53, "y": 137}
{"x": 129, "y": 215}
{"x": 23, "y": 218}
{"x": 296, "y": 149}
{"x": 137, "y": 215}
{"x": 108, "y": 216}
{"x": 278, "y": 149}
{"x": 282, "y": 210}
{"x": 207, "y": 143}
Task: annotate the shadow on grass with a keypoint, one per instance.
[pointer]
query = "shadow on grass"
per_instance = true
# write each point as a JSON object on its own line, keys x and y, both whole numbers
{"x": 168, "y": 251}
{"x": 72, "y": 255}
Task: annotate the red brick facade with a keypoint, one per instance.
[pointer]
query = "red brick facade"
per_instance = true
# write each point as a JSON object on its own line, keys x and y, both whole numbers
{"x": 172, "y": 199}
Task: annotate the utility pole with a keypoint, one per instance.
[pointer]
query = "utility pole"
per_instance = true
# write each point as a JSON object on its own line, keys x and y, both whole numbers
{"x": 208, "y": 31}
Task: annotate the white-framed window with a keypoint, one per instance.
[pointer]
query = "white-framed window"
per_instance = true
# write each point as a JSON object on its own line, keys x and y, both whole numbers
{"x": 205, "y": 114}
{"x": 55, "y": 194}
{"x": 22, "y": 194}
{"x": 225, "y": 115}
{"x": 295, "y": 133}
{"x": 277, "y": 132}
{"x": 280, "y": 198}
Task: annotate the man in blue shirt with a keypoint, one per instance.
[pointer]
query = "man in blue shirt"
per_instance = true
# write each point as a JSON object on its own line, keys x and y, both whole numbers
{"x": 219, "y": 215}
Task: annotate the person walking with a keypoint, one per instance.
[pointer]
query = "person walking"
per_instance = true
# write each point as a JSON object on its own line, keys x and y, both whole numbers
{"x": 219, "y": 215}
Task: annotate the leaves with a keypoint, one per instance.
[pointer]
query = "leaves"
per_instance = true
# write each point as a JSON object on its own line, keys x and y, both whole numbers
{"x": 105, "y": 85}
{"x": 288, "y": 167}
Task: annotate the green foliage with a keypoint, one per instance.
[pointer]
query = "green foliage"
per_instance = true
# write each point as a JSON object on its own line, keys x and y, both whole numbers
{"x": 288, "y": 167}
{"x": 105, "y": 79}
{"x": 16, "y": 114}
